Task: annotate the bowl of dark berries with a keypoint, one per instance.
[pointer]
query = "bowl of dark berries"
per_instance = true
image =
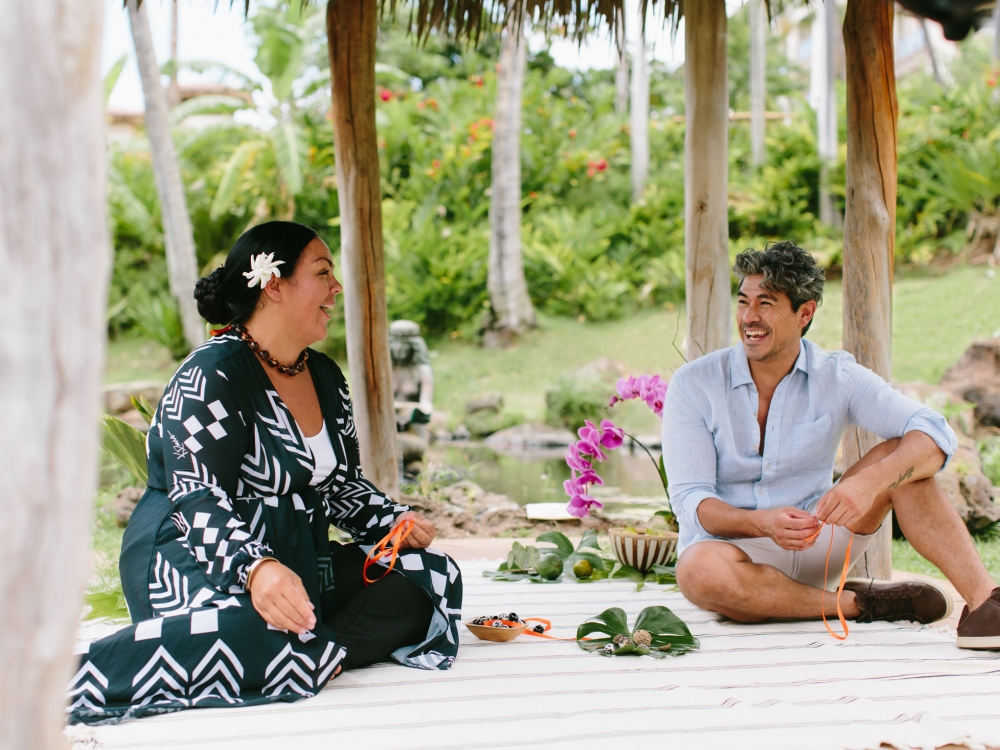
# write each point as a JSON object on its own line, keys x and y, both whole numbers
{"x": 503, "y": 627}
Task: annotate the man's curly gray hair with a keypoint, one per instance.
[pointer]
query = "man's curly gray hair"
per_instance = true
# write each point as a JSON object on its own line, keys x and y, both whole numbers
{"x": 786, "y": 268}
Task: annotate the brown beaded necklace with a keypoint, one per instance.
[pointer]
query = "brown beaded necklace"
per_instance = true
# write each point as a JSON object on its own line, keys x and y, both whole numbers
{"x": 290, "y": 370}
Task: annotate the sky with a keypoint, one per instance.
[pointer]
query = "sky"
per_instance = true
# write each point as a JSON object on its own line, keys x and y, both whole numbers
{"x": 222, "y": 35}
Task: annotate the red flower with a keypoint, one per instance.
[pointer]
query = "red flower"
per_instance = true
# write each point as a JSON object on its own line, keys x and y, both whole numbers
{"x": 572, "y": 132}
{"x": 601, "y": 165}
{"x": 436, "y": 164}
{"x": 384, "y": 94}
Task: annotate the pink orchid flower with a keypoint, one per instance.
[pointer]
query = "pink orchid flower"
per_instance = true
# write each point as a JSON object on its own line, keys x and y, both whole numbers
{"x": 575, "y": 461}
{"x": 612, "y": 437}
{"x": 580, "y": 505}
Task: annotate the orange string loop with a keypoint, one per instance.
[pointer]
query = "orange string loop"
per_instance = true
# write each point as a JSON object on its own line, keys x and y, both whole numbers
{"x": 387, "y": 547}
{"x": 840, "y": 589}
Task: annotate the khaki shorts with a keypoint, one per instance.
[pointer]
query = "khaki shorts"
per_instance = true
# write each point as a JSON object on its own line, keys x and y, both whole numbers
{"x": 807, "y": 566}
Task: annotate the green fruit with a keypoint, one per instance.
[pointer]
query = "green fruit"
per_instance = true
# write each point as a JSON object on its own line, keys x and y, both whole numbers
{"x": 582, "y": 568}
{"x": 550, "y": 567}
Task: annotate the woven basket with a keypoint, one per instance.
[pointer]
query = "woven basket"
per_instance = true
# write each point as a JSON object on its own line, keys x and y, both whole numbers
{"x": 643, "y": 551}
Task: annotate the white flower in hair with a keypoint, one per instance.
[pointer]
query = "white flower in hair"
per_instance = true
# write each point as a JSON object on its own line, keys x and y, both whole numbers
{"x": 262, "y": 268}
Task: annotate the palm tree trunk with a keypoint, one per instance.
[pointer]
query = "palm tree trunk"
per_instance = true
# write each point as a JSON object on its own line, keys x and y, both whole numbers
{"x": 351, "y": 28}
{"x": 621, "y": 66}
{"x": 639, "y": 115}
{"x": 173, "y": 90}
{"x": 706, "y": 177}
{"x": 56, "y": 260}
{"x": 182, "y": 262}
{"x": 508, "y": 289}
{"x": 870, "y": 220}
{"x": 758, "y": 79}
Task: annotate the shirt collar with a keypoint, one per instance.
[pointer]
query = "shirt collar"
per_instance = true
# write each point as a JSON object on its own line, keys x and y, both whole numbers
{"x": 739, "y": 367}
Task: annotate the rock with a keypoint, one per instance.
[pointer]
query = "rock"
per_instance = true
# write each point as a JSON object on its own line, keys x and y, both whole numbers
{"x": 976, "y": 378}
{"x": 412, "y": 447}
{"x": 530, "y": 435}
{"x": 969, "y": 490}
{"x": 461, "y": 433}
{"x": 487, "y": 402}
{"x": 118, "y": 396}
{"x": 602, "y": 368}
{"x": 465, "y": 509}
{"x": 123, "y": 505}
{"x": 941, "y": 399}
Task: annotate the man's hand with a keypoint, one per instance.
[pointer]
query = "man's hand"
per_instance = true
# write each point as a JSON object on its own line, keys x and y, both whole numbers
{"x": 847, "y": 502}
{"x": 791, "y": 528}
{"x": 280, "y": 598}
{"x": 421, "y": 535}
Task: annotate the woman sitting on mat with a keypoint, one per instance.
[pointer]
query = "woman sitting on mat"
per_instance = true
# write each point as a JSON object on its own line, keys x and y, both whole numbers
{"x": 237, "y": 595}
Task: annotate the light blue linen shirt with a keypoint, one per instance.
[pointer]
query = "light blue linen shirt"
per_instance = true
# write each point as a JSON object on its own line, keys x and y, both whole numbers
{"x": 711, "y": 436}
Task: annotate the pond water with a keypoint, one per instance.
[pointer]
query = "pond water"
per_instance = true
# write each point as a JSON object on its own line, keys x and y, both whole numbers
{"x": 537, "y": 476}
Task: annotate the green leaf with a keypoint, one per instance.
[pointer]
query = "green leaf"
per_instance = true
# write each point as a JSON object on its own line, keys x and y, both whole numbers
{"x": 610, "y": 622}
{"x": 563, "y": 546}
{"x": 127, "y": 445}
{"x": 142, "y": 406}
{"x": 107, "y": 604}
{"x": 288, "y": 152}
{"x": 232, "y": 175}
{"x": 589, "y": 540}
{"x": 111, "y": 77}
{"x": 210, "y": 104}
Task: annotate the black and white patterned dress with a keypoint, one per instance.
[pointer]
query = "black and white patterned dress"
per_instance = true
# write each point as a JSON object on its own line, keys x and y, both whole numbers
{"x": 229, "y": 482}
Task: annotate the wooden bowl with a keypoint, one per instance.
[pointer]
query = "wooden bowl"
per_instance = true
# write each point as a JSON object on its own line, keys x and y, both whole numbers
{"x": 643, "y": 551}
{"x": 487, "y": 633}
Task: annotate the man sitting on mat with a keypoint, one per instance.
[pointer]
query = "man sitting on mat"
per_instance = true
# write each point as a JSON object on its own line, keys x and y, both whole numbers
{"x": 750, "y": 434}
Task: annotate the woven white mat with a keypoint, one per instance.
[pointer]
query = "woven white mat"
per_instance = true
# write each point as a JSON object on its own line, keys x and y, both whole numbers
{"x": 767, "y": 687}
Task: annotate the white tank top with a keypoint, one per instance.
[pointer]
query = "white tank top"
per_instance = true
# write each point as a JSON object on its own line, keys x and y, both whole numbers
{"x": 322, "y": 450}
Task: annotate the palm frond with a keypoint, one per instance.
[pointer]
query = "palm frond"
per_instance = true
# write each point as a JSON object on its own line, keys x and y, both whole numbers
{"x": 288, "y": 152}
{"x": 210, "y": 104}
{"x": 235, "y": 168}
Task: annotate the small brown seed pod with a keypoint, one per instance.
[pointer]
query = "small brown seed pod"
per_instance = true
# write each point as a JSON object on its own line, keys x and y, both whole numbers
{"x": 641, "y": 638}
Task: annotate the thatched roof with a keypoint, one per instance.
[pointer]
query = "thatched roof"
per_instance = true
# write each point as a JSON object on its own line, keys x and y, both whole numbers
{"x": 466, "y": 19}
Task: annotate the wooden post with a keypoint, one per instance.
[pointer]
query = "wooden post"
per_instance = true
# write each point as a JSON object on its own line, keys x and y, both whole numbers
{"x": 351, "y": 27}
{"x": 706, "y": 178}
{"x": 870, "y": 220}
{"x": 56, "y": 259}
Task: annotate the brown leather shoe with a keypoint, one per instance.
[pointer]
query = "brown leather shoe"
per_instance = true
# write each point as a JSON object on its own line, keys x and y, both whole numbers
{"x": 980, "y": 628}
{"x": 919, "y": 601}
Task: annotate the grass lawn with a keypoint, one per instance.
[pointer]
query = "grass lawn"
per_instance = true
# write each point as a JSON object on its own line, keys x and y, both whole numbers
{"x": 935, "y": 317}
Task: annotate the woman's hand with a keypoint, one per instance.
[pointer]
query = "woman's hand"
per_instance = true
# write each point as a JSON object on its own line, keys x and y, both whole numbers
{"x": 421, "y": 535}
{"x": 280, "y": 598}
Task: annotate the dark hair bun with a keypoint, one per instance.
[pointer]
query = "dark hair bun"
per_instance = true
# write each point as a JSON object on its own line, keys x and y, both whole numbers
{"x": 211, "y": 303}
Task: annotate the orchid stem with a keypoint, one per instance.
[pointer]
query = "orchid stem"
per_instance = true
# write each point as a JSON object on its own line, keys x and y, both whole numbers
{"x": 656, "y": 464}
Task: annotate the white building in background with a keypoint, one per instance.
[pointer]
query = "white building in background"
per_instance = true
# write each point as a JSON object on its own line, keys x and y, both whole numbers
{"x": 918, "y": 44}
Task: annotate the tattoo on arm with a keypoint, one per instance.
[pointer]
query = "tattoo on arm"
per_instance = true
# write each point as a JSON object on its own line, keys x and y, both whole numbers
{"x": 902, "y": 478}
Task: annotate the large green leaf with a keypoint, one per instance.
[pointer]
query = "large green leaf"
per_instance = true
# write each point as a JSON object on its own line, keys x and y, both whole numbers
{"x": 211, "y": 104}
{"x": 668, "y": 633}
{"x": 232, "y": 175}
{"x": 127, "y": 445}
{"x": 108, "y": 605}
{"x": 610, "y": 622}
{"x": 142, "y": 406}
{"x": 563, "y": 546}
{"x": 111, "y": 77}
{"x": 288, "y": 152}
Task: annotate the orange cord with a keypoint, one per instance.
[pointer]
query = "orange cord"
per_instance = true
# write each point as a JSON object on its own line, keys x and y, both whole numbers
{"x": 840, "y": 589}
{"x": 528, "y": 631}
{"x": 387, "y": 547}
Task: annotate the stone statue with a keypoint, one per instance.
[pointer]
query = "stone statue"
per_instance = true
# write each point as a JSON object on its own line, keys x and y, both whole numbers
{"x": 412, "y": 377}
